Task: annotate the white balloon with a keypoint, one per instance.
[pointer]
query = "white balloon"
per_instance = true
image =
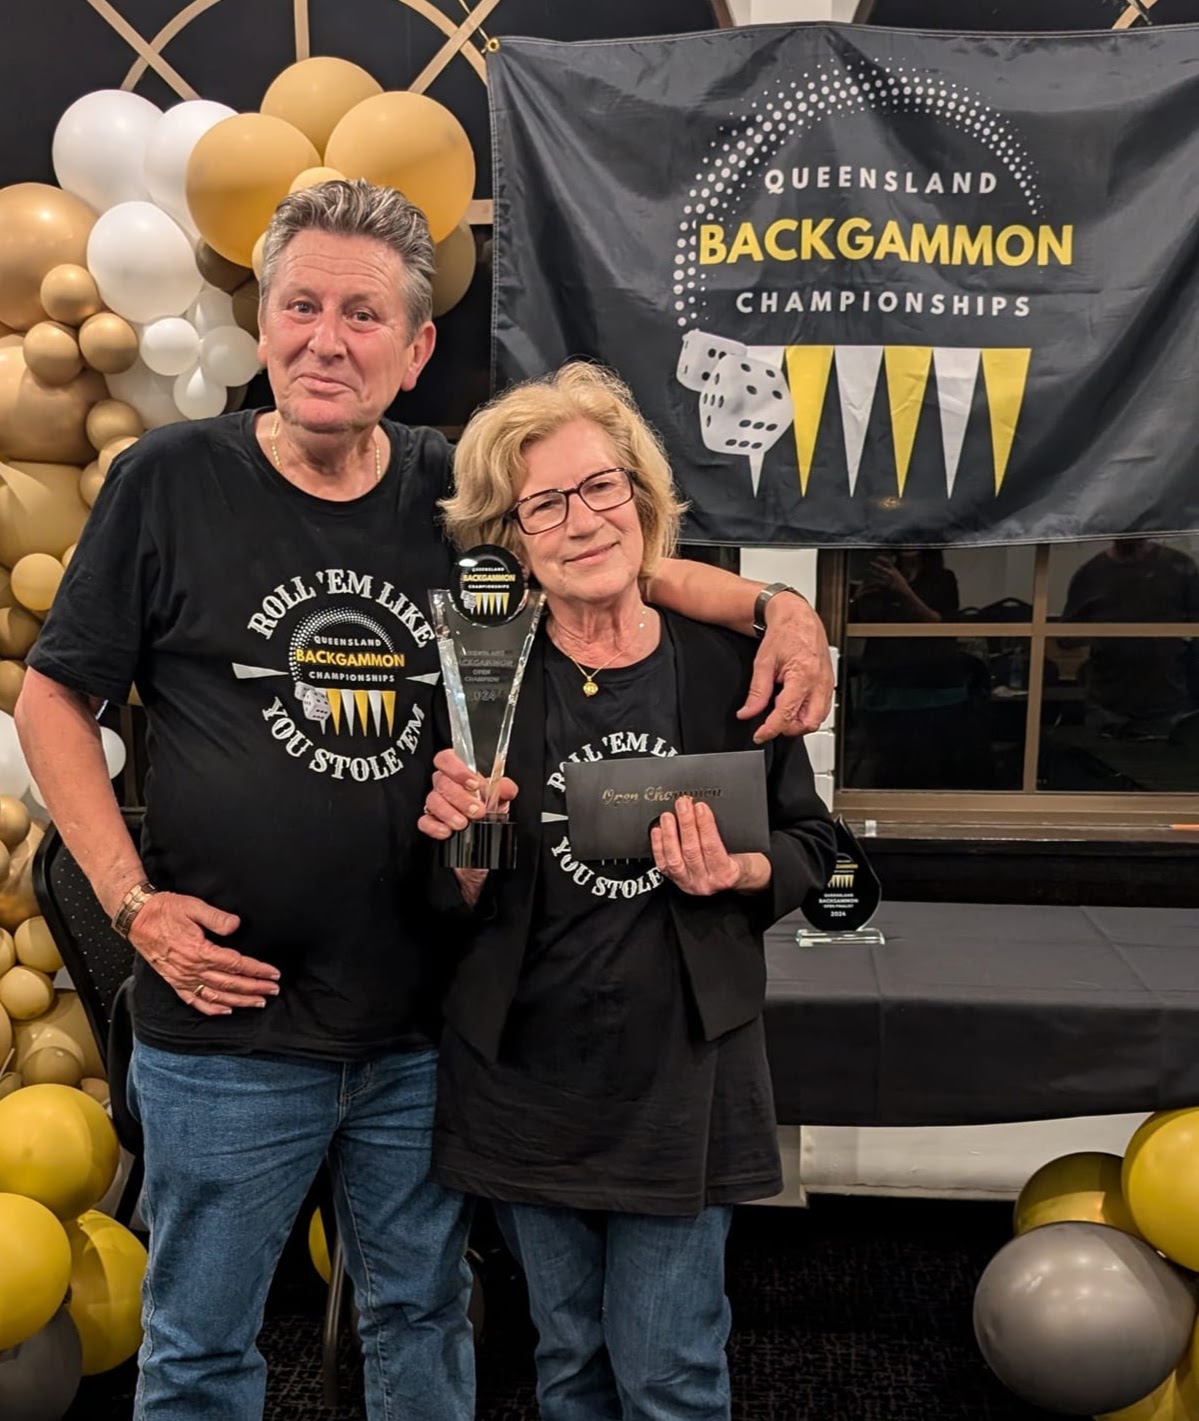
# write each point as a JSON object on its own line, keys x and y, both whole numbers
{"x": 143, "y": 262}
{"x": 229, "y": 355}
{"x": 214, "y": 308}
{"x": 198, "y": 397}
{"x": 14, "y": 772}
{"x": 99, "y": 148}
{"x": 151, "y": 395}
{"x": 114, "y": 751}
{"x": 170, "y": 346}
{"x": 168, "y": 149}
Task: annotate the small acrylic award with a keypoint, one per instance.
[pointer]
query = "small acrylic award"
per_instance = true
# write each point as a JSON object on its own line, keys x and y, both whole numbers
{"x": 485, "y": 625}
{"x": 839, "y": 912}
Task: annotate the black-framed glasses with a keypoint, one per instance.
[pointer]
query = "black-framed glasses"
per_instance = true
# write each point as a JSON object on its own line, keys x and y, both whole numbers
{"x": 605, "y": 489}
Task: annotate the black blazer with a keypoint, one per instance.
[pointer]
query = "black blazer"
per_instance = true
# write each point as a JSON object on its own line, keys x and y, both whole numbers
{"x": 721, "y": 935}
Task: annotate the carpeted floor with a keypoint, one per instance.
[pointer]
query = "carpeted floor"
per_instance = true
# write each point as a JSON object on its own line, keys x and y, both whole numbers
{"x": 852, "y": 1310}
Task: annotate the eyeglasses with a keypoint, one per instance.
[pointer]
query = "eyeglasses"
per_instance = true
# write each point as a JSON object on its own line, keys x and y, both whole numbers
{"x": 605, "y": 489}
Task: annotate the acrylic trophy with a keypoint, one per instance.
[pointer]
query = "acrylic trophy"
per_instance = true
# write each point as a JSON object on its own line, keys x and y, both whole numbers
{"x": 485, "y": 625}
{"x": 840, "y": 911}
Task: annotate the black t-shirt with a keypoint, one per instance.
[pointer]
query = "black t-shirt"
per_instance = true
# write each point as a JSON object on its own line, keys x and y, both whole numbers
{"x": 605, "y": 1096}
{"x": 281, "y": 646}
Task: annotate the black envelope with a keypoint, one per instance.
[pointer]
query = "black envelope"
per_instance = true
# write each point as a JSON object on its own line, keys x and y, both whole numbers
{"x": 612, "y": 804}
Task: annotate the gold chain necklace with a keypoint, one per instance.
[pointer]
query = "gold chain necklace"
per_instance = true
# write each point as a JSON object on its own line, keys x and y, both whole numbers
{"x": 589, "y": 686}
{"x": 279, "y": 466}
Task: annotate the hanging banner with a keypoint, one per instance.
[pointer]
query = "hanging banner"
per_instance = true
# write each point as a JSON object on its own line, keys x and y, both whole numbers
{"x": 870, "y": 286}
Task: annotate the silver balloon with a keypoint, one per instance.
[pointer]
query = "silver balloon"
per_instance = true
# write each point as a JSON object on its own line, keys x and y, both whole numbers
{"x": 39, "y": 1378}
{"x": 1080, "y": 1318}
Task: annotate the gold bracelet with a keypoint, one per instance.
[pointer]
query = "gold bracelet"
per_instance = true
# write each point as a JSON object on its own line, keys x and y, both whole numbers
{"x": 131, "y": 905}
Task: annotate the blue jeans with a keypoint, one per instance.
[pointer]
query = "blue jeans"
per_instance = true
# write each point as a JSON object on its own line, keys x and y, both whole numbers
{"x": 233, "y": 1144}
{"x": 631, "y": 1315}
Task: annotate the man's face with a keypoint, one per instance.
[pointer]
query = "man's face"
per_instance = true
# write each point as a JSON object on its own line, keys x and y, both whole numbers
{"x": 334, "y": 333}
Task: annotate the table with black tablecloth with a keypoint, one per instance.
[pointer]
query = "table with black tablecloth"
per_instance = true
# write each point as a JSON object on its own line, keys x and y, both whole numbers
{"x": 977, "y": 1013}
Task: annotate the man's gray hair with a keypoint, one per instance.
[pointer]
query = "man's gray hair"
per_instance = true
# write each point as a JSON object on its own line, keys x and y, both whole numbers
{"x": 358, "y": 209}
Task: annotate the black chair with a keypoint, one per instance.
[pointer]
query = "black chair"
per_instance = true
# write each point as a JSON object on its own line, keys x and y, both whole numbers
{"x": 99, "y": 962}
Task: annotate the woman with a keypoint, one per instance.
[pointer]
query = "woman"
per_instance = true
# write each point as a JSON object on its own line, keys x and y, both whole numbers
{"x": 603, "y": 1073}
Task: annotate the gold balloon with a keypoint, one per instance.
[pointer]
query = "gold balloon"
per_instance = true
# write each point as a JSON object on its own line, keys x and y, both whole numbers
{"x": 218, "y": 271}
{"x": 315, "y": 94}
{"x": 110, "y": 451}
{"x": 5, "y": 860}
{"x": 17, "y": 898}
{"x": 318, "y": 1245}
{"x": 1082, "y": 1187}
{"x": 40, "y": 509}
{"x": 25, "y": 993}
{"x": 454, "y": 261}
{"x": 68, "y": 554}
{"x": 108, "y": 343}
{"x": 238, "y": 173}
{"x": 35, "y": 581}
{"x": 45, "y": 423}
{"x": 6, "y": 597}
{"x": 411, "y": 142}
{"x": 35, "y": 947}
{"x": 9, "y": 1082}
{"x": 6, "y": 950}
{"x": 69, "y": 294}
{"x": 12, "y": 678}
{"x": 52, "y": 353}
{"x": 112, "y": 419}
{"x": 65, "y": 1025}
{"x": 14, "y": 822}
{"x": 57, "y": 1146}
{"x": 91, "y": 482}
{"x": 245, "y": 307}
{"x": 37, "y": 1265}
{"x": 1160, "y": 1180}
{"x": 52, "y": 1066}
{"x": 18, "y": 632}
{"x": 97, "y": 1087}
{"x": 313, "y": 177}
{"x": 108, "y": 1264}
{"x": 256, "y": 256}
{"x": 41, "y": 227}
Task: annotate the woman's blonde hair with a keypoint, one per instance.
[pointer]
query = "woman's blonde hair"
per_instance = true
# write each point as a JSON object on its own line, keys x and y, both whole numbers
{"x": 489, "y": 462}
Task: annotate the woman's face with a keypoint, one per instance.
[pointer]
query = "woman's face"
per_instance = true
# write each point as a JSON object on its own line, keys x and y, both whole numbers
{"x": 592, "y": 557}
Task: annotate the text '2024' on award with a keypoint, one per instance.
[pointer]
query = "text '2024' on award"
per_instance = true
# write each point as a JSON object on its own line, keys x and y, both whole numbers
{"x": 485, "y": 625}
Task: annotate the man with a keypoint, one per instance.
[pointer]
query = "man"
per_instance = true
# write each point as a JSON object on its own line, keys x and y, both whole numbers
{"x": 263, "y": 578}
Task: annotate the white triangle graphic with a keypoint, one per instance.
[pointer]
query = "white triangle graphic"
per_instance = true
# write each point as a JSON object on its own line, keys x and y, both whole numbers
{"x": 247, "y": 673}
{"x": 957, "y": 375}
{"x": 857, "y": 381}
{"x": 430, "y": 678}
{"x": 548, "y": 818}
{"x": 376, "y": 704}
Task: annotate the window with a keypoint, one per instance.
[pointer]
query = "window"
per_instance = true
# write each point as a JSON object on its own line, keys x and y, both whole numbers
{"x": 1020, "y": 683}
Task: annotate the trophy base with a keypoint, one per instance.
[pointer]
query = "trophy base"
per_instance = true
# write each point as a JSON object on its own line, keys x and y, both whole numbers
{"x": 488, "y": 843}
{"x": 813, "y": 937}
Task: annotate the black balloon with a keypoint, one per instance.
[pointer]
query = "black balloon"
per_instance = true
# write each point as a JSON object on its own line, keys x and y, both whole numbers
{"x": 39, "y": 1377}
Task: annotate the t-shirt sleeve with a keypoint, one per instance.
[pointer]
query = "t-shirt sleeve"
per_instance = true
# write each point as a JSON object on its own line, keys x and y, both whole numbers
{"x": 95, "y": 633}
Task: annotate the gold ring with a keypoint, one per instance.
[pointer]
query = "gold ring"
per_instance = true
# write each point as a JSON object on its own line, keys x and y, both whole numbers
{"x": 198, "y": 990}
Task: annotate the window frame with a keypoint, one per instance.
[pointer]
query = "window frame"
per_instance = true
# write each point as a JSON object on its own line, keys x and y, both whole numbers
{"x": 1029, "y": 812}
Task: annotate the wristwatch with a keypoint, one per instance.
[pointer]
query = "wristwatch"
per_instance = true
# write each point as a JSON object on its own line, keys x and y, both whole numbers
{"x": 763, "y": 599}
{"x": 131, "y": 905}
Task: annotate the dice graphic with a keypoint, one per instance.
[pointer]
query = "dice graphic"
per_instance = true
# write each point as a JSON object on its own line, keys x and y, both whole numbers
{"x": 744, "y": 400}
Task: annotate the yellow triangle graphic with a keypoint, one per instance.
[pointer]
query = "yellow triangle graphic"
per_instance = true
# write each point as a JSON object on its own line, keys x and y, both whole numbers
{"x": 362, "y": 701}
{"x": 1005, "y": 373}
{"x": 503, "y": 604}
{"x": 389, "y": 709}
{"x": 335, "y": 709}
{"x": 907, "y": 380}
{"x": 808, "y": 369}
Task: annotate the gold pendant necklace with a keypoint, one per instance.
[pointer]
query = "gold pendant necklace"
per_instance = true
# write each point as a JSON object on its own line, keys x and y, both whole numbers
{"x": 374, "y": 445}
{"x": 589, "y": 686}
